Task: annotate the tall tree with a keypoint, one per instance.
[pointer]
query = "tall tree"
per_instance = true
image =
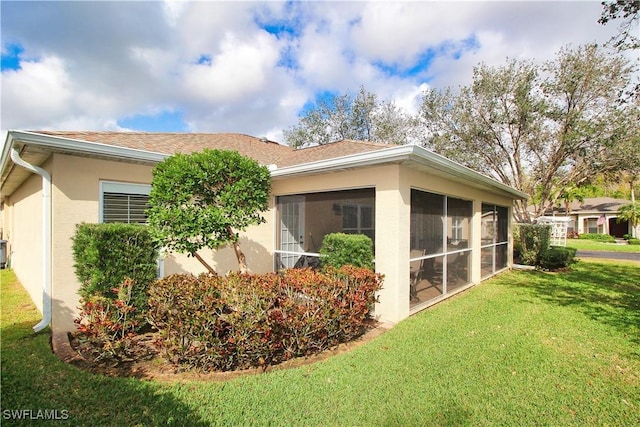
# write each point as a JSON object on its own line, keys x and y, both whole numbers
{"x": 360, "y": 117}
{"x": 536, "y": 128}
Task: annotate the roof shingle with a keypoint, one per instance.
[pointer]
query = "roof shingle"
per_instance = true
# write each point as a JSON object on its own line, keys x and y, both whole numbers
{"x": 264, "y": 151}
{"x": 595, "y": 205}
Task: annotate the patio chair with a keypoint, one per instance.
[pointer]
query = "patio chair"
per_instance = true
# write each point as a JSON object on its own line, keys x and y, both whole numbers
{"x": 307, "y": 261}
{"x": 416, "y": 271}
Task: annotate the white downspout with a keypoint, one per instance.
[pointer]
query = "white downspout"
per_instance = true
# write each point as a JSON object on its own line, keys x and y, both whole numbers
{"x": 46, "y": 237}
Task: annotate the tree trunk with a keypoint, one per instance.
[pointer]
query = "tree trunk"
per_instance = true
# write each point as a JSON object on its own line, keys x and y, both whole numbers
{"x": 203, "y": 262}
{"x": 242, "y": 260}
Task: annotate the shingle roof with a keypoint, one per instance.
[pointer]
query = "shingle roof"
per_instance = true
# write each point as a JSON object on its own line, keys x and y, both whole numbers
{"x": 149, "y": 148}
{"x": 329, "y": 151}
{"x": 264, "y": 151}
{"x": 596, "y": 205}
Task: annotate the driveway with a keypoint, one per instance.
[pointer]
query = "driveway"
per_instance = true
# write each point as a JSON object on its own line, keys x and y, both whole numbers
{"x": 608, "y": 255}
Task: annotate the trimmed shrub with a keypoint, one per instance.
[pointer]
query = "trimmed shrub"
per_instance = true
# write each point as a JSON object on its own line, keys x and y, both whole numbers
{"x": 106, "y": 255}
{"x": 339, "y": 249}
{"x": 627, "y": 236}
{"x": 216, "y": 323}
{"x": 531, "y": 241}
{"x": 558, "y": 257}
{"x": 633, "y": 241}
{"x": 203, "y": 199}
{"x": 599, "y": 237}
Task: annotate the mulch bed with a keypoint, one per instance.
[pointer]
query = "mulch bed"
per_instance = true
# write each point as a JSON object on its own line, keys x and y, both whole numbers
{"x": 144, "y": 360}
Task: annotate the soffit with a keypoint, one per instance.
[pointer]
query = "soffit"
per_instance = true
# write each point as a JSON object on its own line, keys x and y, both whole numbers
{"x": 13, "y": 175}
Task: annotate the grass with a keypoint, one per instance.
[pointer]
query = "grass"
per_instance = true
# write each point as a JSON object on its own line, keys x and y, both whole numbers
{"x": 593, "y": 245}
{"x": 525, "y": 348}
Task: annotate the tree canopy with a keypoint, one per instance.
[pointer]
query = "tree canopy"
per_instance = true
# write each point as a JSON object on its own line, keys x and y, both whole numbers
{"x": 629, "y": 12}
{"x": 360, "y": 117}
{"x": 201, "y": 200}
{"x": 631, "y": 213}
{"x": 539, "y": 129}
{"x": 545, "y": 129}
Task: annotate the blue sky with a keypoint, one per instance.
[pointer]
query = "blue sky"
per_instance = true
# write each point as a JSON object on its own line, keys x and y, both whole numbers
{"x": 254, "y": 67}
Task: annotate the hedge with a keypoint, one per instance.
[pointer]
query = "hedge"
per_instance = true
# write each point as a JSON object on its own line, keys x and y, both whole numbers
{"x": 531, "y": 241}
{"x": 339, "y": 249}
{"x": 224, "y": 323}
{"x": 599, "y": 237}
{"x": 558, "y": 257}
{"x": 105, "y": 255}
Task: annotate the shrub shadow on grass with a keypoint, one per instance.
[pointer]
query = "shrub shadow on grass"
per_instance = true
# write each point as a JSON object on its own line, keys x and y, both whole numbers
{"x": 33, "y": 379}
{"x": 607, "y": 293}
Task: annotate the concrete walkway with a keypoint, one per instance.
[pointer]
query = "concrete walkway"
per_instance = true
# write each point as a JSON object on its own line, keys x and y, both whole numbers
{"x": 608, "y": 255}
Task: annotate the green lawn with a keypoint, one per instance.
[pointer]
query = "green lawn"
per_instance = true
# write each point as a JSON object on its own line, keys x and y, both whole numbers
{"x": 593, "y": 245}
{"x": 525, "y": 348}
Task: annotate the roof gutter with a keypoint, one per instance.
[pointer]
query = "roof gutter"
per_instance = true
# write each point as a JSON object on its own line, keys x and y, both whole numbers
{"x": 398, "y": 154}
{"x": 46, "y": 237}
{"x": 84, "y": 147}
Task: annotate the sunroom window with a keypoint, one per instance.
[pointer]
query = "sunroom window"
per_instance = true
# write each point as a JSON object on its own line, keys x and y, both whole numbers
{"x": 440, "y": 251}
{"x": 304, "y": 220}
{"x": 495, "y": 239}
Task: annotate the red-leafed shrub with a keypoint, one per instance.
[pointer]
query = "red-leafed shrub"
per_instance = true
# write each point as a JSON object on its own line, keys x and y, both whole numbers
{"x": 224, "y": 323}
{"x": 108, "y": 324}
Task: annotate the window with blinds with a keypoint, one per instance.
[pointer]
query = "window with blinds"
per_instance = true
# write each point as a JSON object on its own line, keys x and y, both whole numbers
{"x": 128, "y": 208}
{"x": 122, "y": 202}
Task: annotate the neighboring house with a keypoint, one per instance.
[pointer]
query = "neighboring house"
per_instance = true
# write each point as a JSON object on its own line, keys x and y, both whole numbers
{"x": 598, "y": 215}
{"x": 438, "y": 227}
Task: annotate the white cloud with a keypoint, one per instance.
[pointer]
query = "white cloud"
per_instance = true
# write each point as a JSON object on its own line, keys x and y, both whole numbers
{"x": 399, "y": 31}
{"x": 173, "y": 10}
{"x": 98, "y": 62}
{"x": 237, "y": 71}
{"x": 39, "y": 94}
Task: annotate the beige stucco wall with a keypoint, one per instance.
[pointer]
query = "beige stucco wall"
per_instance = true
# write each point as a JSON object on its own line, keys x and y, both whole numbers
{"x": 75, "y": 196}
{"x": 23, "y": 231}
{"x": 256, "y": 244}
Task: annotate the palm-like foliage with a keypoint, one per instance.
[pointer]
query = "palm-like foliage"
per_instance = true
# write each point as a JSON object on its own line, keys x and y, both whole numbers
{"x": 631, "y": 213}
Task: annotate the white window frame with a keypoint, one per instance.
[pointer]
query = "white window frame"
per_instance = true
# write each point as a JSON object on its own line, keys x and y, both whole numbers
{"x": 359, "y": 228}
{"x": 457, "y": 227}
{"x": 128, "y": 188}
{"x": 119, "y": 187}
{"x": 588, "y": 226}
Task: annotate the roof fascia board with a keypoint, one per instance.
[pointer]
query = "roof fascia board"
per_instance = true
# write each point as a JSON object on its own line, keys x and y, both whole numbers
{"x": 400, "y": 153}
{"x": 80, "y": 146}
{"x": 449, "y": 166}
{"x": 369, "y": 158}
